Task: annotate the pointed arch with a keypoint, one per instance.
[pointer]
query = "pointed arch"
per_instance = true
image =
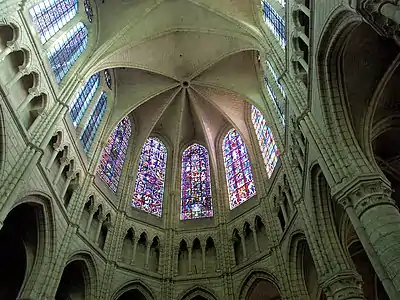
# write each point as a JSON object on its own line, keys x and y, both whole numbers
{"x": 268, "y": 147}
{"x": 196, "y": 197}
{"x": 91, "y": 127}
{"x": 114, "y": 154}
{"x": 150, "y": 179}
{"x": 49, "y": 17}
{"x": 64, "y": 53}
{"x": 239, "y": 175}
{"x": 84, "y": 96}
{"x": 198, "y": 291}
{"x": 134, "y": 285}
{"x": 254, "y": 278}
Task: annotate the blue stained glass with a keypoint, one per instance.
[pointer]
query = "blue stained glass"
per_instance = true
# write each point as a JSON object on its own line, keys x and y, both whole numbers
{"x": 89, "y": 133}
{"x": 266, "y": 140}
{"x": 84, "y": 96}
{"x": 88, "y": 10}
{"x": 108, "y": 78}
{"x": 67, "y": 49}
{"x": 50, "y": 16}
{"x": 274, "y": 98}
{"x": 274, "y": 22}
{"x": 239, "y": 176}
{"x": 113, "y": 157}
{"x": 150, "y": 179}
{"x": 196, "y": 184}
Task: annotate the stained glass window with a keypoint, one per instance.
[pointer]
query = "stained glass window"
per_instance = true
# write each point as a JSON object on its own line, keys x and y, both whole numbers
{"x": 50, "y": 16}
{"x": 266, "y": 140}
{"x": 274, "y": 22}
{"x": 83, "y": 98}
{"x": 90, "y": 130}
{"x": 67, "y": 49}
{"x": 88, "y": 10}
{"x": 149, "y": 188}
{"x": 239, "y": 175}
{"x": 274, "y": 98}
{"x": 114, "y": 154}
{"x": 196, "y": 184}
{"x": 107, "y": 76}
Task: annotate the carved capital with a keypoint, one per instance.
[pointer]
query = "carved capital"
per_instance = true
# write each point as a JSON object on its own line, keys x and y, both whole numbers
{"x": 364, "y": 193}
{"x": 345, "y": 284}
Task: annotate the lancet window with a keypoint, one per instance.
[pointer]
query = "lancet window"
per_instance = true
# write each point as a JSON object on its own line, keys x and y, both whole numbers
{"x": 50, "y": 16}
{"x": 274, "y": 22}
{"x": 150, "y": 180}
{"x": 66, "y": 50}
{"x": 107, "y": 76}
{"x": 266, "y": 140}
{"x": 239, "y": 175}
{"x": 83, "y": 98}
{"x": 196, "y": 184}
{"x": 88, "y": 10}
{"x": 90, "y": 130}
{"x": 114, "y": 154}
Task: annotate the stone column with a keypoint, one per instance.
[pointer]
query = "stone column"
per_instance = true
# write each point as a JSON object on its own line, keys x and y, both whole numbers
{"x": 374, "y": 215}
{"x": 135, "y": 242}
{"x": 89, "y": 222}
{"x": 391, "y": 11}
{"x": 22, "y": 71}
{"x": 148, "y": 246}
{"x": 32, "y": 93}
{"x": 255, "y": 240}
{"x": 97, "y": 236}
{"x": 190, "y": 261}
{"x": 10, "y": 48}
{"x": 203, "y": 258}
{"x": 70, "y": 177}
{"x": 343, "y": 285}
{"x": 242, "y": 237}
{"x": 64, "y": 163}
{"x": 53, "y": 156}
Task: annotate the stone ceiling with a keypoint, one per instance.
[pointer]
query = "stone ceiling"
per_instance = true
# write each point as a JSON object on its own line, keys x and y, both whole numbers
{"x": 184, "y": 69}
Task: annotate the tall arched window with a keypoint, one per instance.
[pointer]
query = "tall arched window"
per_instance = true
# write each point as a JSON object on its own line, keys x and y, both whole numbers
{"x": 274, "y": 22}
{"x": 266, "y": 140}
{"x": 89, "y": 133}
{"x": 84, "y": 96}
{"x": 196, "y": 184}
{"x": 67, "y": 49}
{"x": 50, "y": 16}
{"x": 88, "y": 10}
{"x": 238, "y": 171}
{"x": 107, "y": 76}
{"x": 114, "y": 154}
{"x": 149, "y": 188}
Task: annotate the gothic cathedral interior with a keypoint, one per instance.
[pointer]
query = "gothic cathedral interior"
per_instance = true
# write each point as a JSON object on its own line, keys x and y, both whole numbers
{"x": 200, "y": 149}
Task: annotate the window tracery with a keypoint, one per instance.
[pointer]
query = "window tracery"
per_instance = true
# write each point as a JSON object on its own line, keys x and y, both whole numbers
{"x": 239, "y": 176}
{"x": 150, "y": 179}
{"x": 196, "y": 184}
{"x": 91, "y": 127}
{"x": 266, "y": 140}
{"x": 114, "y": 154}
{"x": 274, "y": 22}
{"x": 50, "y": 16}
{"x": 84, "y": 96}
{"x": 108, "y": 78}
{"x": 88, "y": 10}
{"x": 67, "y": 49}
